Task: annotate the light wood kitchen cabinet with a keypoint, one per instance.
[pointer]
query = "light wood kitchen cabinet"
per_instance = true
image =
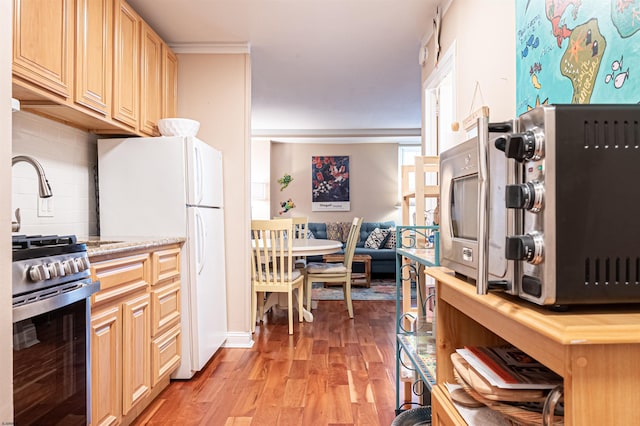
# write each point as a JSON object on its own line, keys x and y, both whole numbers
{"x": 126, "y": 66}
{"x": 150, "y": 81}
{"x": 135, "y": 321}
{"x": 136, "y": 351}
{"x": 94, "y": 54}
{"x": 165, "y": 309}
{"x": 123, "y": 298}
{"x": 43, "y": 45}
{"x": 106, "y": 370}
{"x": 169, "y": 83}
{"x": 92, "y": 64}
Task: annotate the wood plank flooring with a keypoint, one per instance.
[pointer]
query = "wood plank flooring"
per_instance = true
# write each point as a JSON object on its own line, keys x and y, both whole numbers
{"x": 333, "y": 371}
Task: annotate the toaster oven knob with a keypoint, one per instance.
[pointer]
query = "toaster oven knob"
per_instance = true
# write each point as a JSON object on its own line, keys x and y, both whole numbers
{"x": 39, "y": 273}
{"x": 527, "y": 196}
{"x": 520, "y": 146}
{"x": 527, "y": 247}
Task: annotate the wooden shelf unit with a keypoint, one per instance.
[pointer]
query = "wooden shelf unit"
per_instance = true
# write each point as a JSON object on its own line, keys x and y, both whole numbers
{"x": 594, "y": 348}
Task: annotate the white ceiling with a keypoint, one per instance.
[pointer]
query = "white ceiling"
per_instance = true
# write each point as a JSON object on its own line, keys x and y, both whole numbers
{"x": 339, "y": 68}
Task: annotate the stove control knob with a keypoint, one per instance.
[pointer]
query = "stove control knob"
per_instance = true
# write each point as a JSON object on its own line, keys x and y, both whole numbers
{"x": 39, "y": 273}
{"x": 56, "y": 269}
{"x": 70, "y": 266}
{"x": 529, "y": 247}
{"x": 525, "y": 196}
{"x": 82, "y": 263}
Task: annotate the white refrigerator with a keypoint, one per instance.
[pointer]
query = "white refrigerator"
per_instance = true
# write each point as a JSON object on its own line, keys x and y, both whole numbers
{"x": 172, "y": 187}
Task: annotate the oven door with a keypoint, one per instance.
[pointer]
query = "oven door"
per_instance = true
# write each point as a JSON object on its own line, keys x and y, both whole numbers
{"x": 475, "y": 220}
{"x": 459, "y": 208}
{"x": 51, "y": 384}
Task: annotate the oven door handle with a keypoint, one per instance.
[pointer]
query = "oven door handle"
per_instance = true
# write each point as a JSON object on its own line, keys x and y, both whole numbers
{"x": 484, "y": 203}
{"x": 84, "y": 290}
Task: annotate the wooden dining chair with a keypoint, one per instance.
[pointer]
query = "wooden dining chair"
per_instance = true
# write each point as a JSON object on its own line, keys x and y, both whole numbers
{"x": 336, "y": 272}
{"x": 300, "y": 230}
{"x": 271, "y": 271}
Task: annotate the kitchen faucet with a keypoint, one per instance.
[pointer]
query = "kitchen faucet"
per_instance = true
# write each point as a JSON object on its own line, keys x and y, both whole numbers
{"x": 44, "y": 189}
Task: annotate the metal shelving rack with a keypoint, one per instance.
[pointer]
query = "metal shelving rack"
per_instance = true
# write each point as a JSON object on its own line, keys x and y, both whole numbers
{"x": 417, "y": 247}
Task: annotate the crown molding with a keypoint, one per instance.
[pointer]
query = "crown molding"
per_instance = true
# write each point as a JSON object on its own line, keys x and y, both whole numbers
{"x": 335, "y": 133}
{"x": 340, "y": 136}
{"x": 211, "y": 48}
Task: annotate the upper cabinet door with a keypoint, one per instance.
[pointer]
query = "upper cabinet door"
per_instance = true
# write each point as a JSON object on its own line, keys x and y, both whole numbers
{"x": 43, "y": 44}
{"x": 151, "y": 81}
{"x": 126, "y": 66}
{"x": 94, "y": 53}
{"x": 169, "y": 83}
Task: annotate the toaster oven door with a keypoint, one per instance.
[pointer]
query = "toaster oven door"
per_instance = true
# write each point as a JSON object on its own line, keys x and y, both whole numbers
{"x": 460, "y": 213}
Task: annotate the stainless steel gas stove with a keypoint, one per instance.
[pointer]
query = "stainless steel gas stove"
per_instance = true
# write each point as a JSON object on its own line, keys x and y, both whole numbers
{"x": 52, "y": 283}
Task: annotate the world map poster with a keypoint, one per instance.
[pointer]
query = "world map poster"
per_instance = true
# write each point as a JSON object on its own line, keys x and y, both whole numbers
{"x": 577, "y": 51}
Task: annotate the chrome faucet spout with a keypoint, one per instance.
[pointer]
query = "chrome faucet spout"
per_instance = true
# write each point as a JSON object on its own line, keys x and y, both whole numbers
{"x": 44, "y": 188}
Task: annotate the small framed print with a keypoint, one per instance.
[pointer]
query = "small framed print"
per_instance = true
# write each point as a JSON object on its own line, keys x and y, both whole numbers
{"x": 330, "y": 183}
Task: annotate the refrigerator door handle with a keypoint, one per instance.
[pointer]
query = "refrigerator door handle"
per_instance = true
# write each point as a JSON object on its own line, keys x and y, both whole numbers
{"x": 198, "y": 172}
{"x": 200, "y": 249}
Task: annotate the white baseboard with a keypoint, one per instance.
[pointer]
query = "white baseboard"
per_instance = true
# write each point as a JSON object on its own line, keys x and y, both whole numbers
{"x": 239, "y": 340}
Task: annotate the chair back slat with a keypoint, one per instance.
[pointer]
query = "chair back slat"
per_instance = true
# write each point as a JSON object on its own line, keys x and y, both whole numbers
{"x": 352, "y": 240}
{"x": 272, "y": 250}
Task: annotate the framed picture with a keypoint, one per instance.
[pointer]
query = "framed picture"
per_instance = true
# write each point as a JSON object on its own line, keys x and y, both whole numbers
{"x": 330, "y": 183}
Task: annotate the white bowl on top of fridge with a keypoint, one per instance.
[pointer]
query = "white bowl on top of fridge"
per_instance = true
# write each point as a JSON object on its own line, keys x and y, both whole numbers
{"x": 178, "y": 127}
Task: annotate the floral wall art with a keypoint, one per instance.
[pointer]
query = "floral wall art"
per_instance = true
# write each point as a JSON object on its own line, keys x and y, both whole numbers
{"x": 330, "y": 183}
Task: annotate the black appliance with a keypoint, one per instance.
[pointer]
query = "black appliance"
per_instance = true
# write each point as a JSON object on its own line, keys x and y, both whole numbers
{"x": 51, "y": 370}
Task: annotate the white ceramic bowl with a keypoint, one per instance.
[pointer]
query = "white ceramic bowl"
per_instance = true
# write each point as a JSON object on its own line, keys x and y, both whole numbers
{"x": 178, "y": 127}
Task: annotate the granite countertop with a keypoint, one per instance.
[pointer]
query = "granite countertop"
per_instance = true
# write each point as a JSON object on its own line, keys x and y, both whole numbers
{"x": 100, "y": 245}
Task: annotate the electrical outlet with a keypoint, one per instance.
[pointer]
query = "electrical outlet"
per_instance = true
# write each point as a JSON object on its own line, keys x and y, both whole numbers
{"x": 45, "y": 207}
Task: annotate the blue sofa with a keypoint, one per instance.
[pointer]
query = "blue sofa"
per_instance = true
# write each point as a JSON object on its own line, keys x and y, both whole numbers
{"x": 383, "y": 260}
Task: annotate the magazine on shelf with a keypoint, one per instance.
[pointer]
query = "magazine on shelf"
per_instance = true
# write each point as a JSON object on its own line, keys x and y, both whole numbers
{"x": 508, "y": 367}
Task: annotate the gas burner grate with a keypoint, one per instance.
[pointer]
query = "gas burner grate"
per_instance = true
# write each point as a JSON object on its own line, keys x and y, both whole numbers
{"x": 20, "y": 242}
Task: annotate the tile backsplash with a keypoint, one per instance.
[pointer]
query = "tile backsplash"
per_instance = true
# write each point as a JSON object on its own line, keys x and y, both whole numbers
{"x": 68, "y": 157}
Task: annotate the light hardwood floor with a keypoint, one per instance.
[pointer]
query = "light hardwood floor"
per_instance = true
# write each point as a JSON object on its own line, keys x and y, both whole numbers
{"x": 334, "y": 371}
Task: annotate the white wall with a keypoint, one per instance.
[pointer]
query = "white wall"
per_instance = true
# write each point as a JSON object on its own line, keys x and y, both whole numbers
{"x": 373, "y": 180}
{"x": 68, "y": 157}
{"x": 260, "y": 178}
{"x": 484, "y": 34}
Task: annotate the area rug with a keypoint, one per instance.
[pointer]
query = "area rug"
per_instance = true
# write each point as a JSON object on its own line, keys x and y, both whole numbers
{"x": 381, "y": 289}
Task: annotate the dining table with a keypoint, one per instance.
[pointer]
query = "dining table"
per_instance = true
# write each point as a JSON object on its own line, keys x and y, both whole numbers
{"x": 303, "y": 247}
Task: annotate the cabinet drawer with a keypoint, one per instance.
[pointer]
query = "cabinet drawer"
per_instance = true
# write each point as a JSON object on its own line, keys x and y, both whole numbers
{"x": 165, "y": 354}
{"x": 165, "y": 306}
{"x": 120, "y": 277}
{"x": 166, "y": 265}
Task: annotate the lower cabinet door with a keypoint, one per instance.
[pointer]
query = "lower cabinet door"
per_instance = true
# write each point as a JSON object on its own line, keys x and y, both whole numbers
{"x": 136, "y": 350}
{"x": 165, "y": 355}
{"x": 106, "y": 370}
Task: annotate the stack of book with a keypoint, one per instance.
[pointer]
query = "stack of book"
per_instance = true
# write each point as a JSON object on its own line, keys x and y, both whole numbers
{"x": 507, "y": 367}
{"x": 505, "y": 379}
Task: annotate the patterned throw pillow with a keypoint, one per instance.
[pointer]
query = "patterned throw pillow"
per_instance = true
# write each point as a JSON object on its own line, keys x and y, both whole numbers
{"x": 334, "y": 231}
{"x": 376, "y": 238}
{"x": 390, "y": 242}
{"x": 310, "y": 235}
{"x": 345, "y": 227}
